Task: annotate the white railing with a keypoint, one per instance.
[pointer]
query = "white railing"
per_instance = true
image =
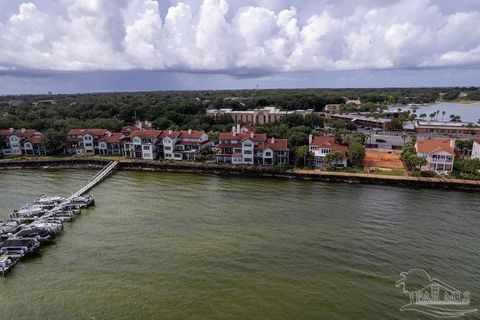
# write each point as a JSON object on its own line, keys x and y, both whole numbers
{"x": 97, "y": 178}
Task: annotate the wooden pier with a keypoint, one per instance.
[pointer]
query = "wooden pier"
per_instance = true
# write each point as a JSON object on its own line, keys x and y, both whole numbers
{"x": 52, "y": 213}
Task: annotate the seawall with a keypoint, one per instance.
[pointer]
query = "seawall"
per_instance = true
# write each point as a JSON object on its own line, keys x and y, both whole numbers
{"x": 252, "y": 171}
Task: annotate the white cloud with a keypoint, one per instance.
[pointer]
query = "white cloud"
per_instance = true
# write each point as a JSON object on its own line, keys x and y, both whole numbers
{"x": 236, "y": 35}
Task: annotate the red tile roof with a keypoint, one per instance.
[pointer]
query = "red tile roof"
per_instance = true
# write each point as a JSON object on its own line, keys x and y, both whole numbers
{"x": 92, "y": 131}
{"x": 18, "y": 133}
{"x": 477, "y": 140}
{"x": 37, "y": 138}
{"x": 257, "y": 137}
{"x": 195, "y": 134}
{"x": 277, "y": 145}
{"x": 114, "y": 138}
{"x": 143, "y": 134}
{"x": 30, "y": 135}
{"x": 434, "y": 145}
{"x": 328, "y": 143}
{"x": 173, "y": 134}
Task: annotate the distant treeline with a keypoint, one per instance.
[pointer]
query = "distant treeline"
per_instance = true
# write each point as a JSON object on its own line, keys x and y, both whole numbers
{"x": 187, "y": 109}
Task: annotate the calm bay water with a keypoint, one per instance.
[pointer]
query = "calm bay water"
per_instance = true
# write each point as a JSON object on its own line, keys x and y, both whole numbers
{"x": 182, "y": 246}
{"x": 469, "y": 112}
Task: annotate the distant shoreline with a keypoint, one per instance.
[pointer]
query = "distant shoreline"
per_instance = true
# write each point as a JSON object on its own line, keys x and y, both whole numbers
{"x": 252, "y": 171}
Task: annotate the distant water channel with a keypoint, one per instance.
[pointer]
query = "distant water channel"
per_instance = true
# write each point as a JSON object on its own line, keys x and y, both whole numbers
{"x": 469, "y": 112}
{"x": 182, "y": 246}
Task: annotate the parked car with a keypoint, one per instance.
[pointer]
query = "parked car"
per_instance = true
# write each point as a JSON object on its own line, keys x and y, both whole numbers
{"x": 381, "y": 140}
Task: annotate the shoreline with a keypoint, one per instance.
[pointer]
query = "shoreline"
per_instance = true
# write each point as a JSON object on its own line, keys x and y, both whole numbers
{"x": 251, "y": 171}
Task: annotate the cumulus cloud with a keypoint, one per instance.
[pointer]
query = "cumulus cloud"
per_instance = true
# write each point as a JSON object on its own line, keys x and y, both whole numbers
{"x": 238, "y": 36}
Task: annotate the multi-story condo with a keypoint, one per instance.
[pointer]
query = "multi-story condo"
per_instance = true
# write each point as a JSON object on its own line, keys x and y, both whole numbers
{"x": 249, "y": 148}
{"x": 275, "y": 151}
{"x": 111, "y": 144}
{"x": 256, "y": 116}
{"x": 439, "y": 154}
{"x": 22, "y": 142}
{"x": 184, "y": 145}
{"x": 322, "y": 146}
{"x": 476, "y": 149}
{"x": 84, "y": 141}
{"x": 143, "y": 144}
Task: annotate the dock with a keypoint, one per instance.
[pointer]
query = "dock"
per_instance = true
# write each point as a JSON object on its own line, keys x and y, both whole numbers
{"x": 40, "y": 222}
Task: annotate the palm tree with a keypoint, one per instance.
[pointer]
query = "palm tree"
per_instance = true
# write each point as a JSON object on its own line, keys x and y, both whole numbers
{"x": 443, "y": 115}
{"x": 455, "y": 118}
{"x": 438, "y": 112}
{"x": 423, "y": 116}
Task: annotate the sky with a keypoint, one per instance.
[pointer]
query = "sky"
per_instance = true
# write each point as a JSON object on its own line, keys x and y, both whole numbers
{"x": 70, "y": 46}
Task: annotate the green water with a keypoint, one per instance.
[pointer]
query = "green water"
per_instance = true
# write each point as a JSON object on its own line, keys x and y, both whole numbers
{"x": 182, "y": 246}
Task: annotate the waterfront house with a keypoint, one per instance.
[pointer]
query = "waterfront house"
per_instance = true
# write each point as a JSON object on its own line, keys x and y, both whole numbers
{"x": 275, "y": 151}
{"x": 143, "y": 144}
{"x": 22, "y": 142}
{"x": 84, "y": 141}
{"x": 184, "y": 145}
{"x": 111, "y": 144}
{"x": 439, "y": 154}
{"x": 476, "y": 149}
{"x": 321, "y": 146}
{"x": 238, "y": 147}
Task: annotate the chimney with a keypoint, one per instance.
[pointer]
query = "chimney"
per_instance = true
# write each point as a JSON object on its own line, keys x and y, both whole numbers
{"x": 452, "y": 143}
{"x": 23, "y": 130}
{"x": 11, "y": 130}
{"x": 310, "y": 139}
{"x": 169, "y": 131}
{"x": 238, "y": 128}
{"x": 273, "y": 140}
{"x": 233, "y": 129}
{"x": 189, "y": 131}
{"x": 252, "y": 134}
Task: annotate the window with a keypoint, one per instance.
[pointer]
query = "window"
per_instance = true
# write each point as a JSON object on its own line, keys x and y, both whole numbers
{"x": 167, "y": 148}
{"x": 146, "y": 147}
{"x": 247, "y": 152}
{"x": 88, "y": 144}
{"x": 248, "y": 159}
{"x": 248, "y": 144}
